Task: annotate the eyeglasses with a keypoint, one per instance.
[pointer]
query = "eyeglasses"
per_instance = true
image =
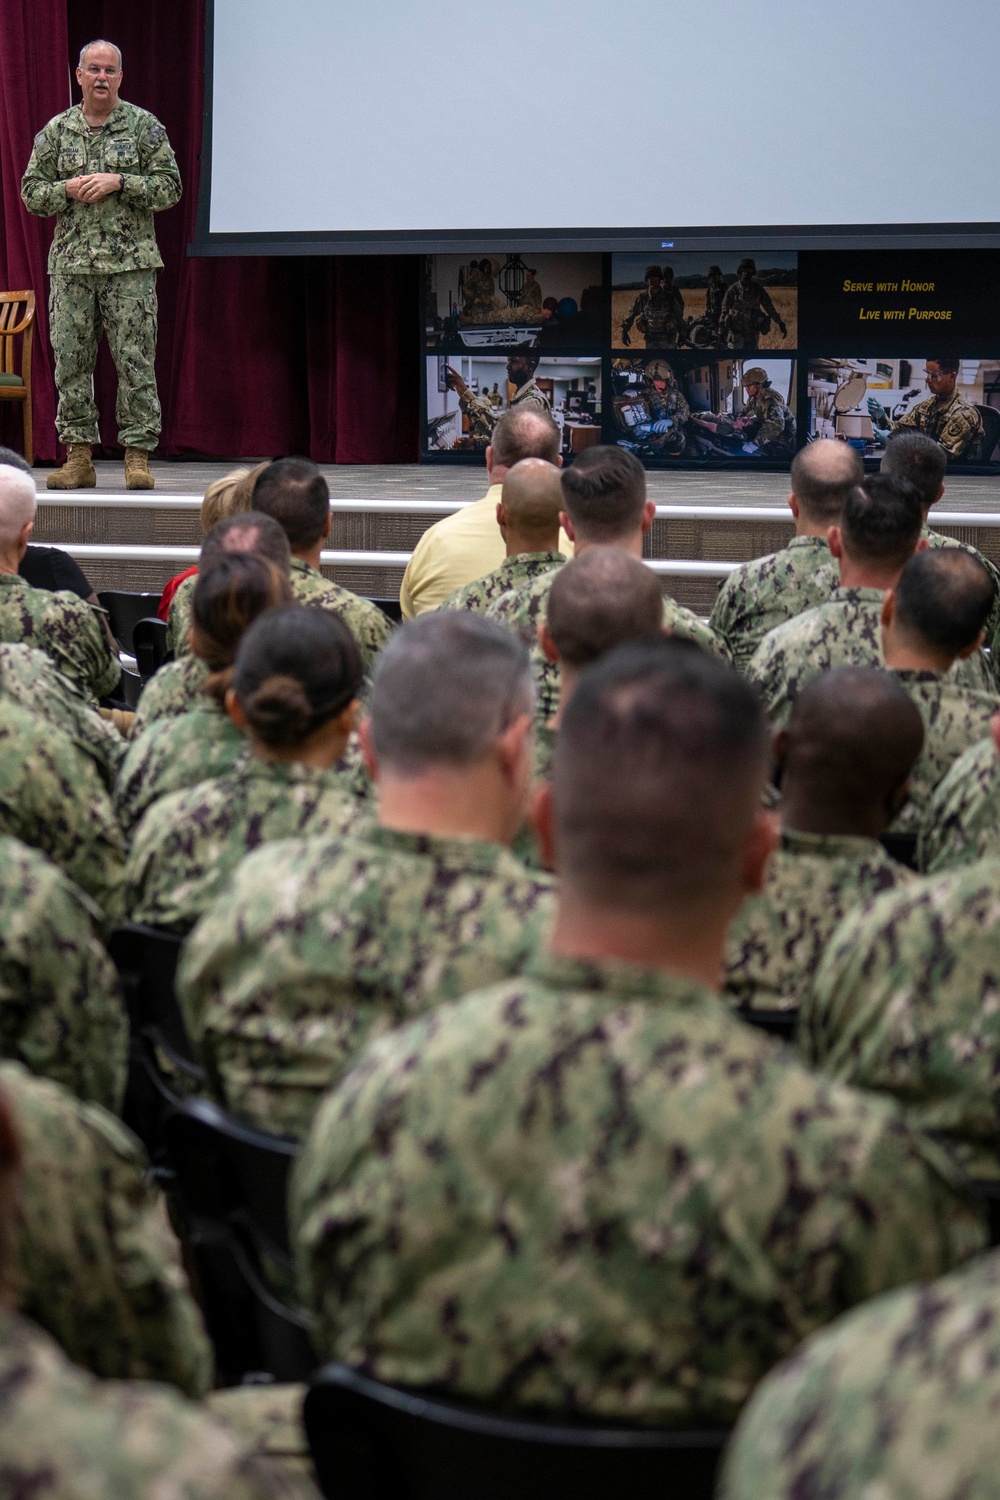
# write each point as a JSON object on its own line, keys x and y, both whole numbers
{"x": 95, "y": 72}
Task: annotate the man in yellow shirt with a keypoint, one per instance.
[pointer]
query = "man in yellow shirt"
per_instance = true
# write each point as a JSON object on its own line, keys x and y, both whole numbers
{"x": 468, "y": 544}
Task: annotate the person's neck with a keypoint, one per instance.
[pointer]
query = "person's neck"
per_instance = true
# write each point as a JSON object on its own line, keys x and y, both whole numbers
{"x": 686, "y": 941}
{"x": 631, "y": 544}
{"x": 320, "y": 755}
{"x": 466, "y": 804}
{"x": 568, "y": 679}
{"x": 807, "y": 528}
{"x": 865, "y": 575}
{"x": 906, "y": 655}
{"x": 521, "y": 546}
{"x": 496, "y": 475}
{"x": 802, "y": 812}
{"x": 96, "y": 116}
{"x": 312, "y": 556}
{"x": 9, "y": 562}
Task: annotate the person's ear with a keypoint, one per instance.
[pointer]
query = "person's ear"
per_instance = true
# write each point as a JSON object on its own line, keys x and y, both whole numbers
{"x": 648, "y": 516}
{"x": 939, "y": 494}
{"x": 995, "y": 731}
{"x": 762, "y": 840}
{"x": 888, "y": 612}
{"x": 502, "y": 519}
{"x": 24, "y": 534}
{"x": 559, "y": 460}
{"x": 541, "y": 816}
{"x": 834, "y": 541}
{"x": 968, "y": 651}
{"x": 489, "y": 458}
{"x": 234, "y": 708}
{"x": 514, "y": 745}
{"x": 921, "y": 546}
{"x": 347, "y": 719}
{"x": 368, "y": 748}
{"x": 793, "y": 505}
{"x": 567, "y": 525}
{"x": 546, "y": 644}
{"x": 326, "y": 525}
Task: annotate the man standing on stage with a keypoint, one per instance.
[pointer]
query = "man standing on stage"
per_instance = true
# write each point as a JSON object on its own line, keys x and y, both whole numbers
{"x": 103, "y": 168}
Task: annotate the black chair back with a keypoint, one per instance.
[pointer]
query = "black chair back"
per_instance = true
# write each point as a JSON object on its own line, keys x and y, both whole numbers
{"x": 162, "y": 1064}
{"x": 149, "y": 646}
{"x": 125, "y": 610}
{"x": 991, "y": 433}
{"x": 987, "y": 1190}
{"x": 779, "y": 1023}
{"x": 390, "y": 607}
{"x": 229, "y": 1183}
{"x": 377, "y": 1442}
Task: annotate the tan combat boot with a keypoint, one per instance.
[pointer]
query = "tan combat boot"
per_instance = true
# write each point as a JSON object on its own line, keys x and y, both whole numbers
{"x": 77, "y": 473}
{"x": 137, "y": 475}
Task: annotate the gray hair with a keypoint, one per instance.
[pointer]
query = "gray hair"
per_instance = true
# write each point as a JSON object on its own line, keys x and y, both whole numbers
{"x": 446, "y": 687}
{"x": 100, "y": 41}
{"x": 17, "y": 503}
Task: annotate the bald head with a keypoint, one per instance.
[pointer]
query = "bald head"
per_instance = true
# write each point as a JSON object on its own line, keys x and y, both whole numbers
{"x": 525, "y": 432}
{"x": 851, "y": 742}
{"x": 529, "y": 507}
{"x": 17, "y": 510}
{"x": 823, "y": 473}
{"x": 602, "y": 599}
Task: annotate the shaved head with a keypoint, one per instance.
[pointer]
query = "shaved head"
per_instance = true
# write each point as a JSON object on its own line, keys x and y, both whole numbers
{"x": 17, "y": 504}
{"x": 602, "y": 599}
{"x": 823, "y": 473}
{"x": 851, "y": 742}
{"x": 532, "y": 500}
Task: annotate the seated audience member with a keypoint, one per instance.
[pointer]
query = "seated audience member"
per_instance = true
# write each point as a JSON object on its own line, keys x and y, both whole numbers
{"x": 528, "y": 518}
{"x": 897, "y": 1399}
{"x": 844, "y": 762}
{"x": 469, "y": 544}
{"x": 878, "y": 534}
{"x": 590, "y": 1189}
{"x": 229, "y": 496}
{"x": 319, "y": 944}
{"x": 54, "y": 800}
{"x": 60, "y": 1010}
{"x": 604, "y": 495}
{"x": 64, "y": 1432}
{"x": 177, "y": 687}
{"x": 769, "y": 590}
{"x": 178, "y": 752}
{"x": 918, "y": 458}
{"x": 49, "y": 567}
{"x": 61, "y": 624}
{"x": 98, "y": 1266}
{"x": 294, "y": 691}
{"x": 902, "y": 1004}
{"x": 30, "y": 679}
{"x": 962, "y": 821}
{"x": 933, "y": 618}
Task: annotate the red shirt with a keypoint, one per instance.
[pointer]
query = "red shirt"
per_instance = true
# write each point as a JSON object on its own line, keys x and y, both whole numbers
{"x": 170, "y": 589}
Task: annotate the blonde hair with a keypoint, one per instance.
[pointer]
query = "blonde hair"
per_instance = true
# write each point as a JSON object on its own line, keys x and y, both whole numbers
{"x": 229, "y": 495}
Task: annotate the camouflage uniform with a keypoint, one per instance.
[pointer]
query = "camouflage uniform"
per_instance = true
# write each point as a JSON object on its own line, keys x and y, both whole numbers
{"x": 60, "y": 1010}
{"x": 745, "y": 310}
{"x": 961, "y": 822}
{"x": 68, "y": 629}
{"x": 658, "y": 316}
{"x": 98, "y": 1264}
{"x": 955, "y": 718}
{"x": 531, "y": 298}
{"x": 175, "y": 689}
{"x": 29, "y": 678}
{"x": 715, "y": 295}
{"x": 896, "y": 1401}
{"x": 103, "y": 263}
{"x": 366, "y": 622}
{"x": 318, "y": 945}
{"x": 778, "y": 936}
{"x": 904, "y": 1002}
{"x": 511, "y": 574}
{"x": 482, "y": 415}
{"x": 662, "y": 432}
{"x": 173, "y": 754}
{"x": 65, "y": 1435}
{"x": 770, "y": 590}
{"x": 949, "y": 420}
{"x": 52, "y": 798}
{"x": 188, "y": 844}
{"x": 767, "y": 420}
{"x": 590, "y": 1190}
{"x": 522, "y": 608}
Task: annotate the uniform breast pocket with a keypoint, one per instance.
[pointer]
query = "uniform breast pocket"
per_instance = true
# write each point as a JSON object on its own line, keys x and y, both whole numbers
{"x": 122, "y": 156}
{"x": 72, "y": 159}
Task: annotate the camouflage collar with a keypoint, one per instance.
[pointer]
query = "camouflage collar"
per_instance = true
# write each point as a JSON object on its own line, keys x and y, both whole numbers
{"x": 841, "y": 595}
{"x": 918, "y": 674}
{"x": 14, "y": 579}
{"x": 282, "y": 772}
{"x": 523, "y": 559}
{"x": 117, "y": 120}
{"x": 299, "y": 565}
{"x": 464, "y": 856}
{"x": 830, "y": 845}
{"x": 617, "y": 980}
{"x": 811, "y": 541}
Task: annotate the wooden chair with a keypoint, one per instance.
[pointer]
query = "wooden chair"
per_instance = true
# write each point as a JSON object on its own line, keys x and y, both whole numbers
{"x": 16, "y": 385}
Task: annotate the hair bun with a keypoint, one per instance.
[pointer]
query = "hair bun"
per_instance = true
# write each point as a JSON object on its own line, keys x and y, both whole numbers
{"x": 279, "y": 711}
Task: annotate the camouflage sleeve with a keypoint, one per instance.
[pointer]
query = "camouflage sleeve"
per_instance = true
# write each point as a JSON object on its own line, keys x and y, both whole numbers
{"x": 75, "y": 638}
{"x": 724, "y": 606}
{"x": 632, "y": 315}
{"x": 963, "y": 427}
{"x": 681, "y": 408}
{"x": 768, "y": 305}
{"x": 61, "y": 1011}
{"x": 158, "y": 183}
{"x": 100, "y": 1267}
{"x": 685, "y": 623}
{"x": 179, "y": 619}
{"x": 772, "y": 426}
{"x": 43, "y": 191}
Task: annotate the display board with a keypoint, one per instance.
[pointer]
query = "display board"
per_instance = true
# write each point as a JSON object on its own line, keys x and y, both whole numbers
{"x": 721, "y": 359}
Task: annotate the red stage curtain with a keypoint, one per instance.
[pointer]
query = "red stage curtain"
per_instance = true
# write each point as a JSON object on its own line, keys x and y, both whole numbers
{"x": 256, "y": 356}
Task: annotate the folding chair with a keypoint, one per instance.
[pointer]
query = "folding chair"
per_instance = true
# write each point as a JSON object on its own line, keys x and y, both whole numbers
{"x": 149, "y": 646}
{"x": 125, "y": 610}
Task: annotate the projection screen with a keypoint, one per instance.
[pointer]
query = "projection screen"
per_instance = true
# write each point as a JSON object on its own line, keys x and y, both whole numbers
{"x": 393, "y": 125}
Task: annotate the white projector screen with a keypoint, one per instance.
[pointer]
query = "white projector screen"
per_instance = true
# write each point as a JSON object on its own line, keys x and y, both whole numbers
{"x": 423, "y": 121}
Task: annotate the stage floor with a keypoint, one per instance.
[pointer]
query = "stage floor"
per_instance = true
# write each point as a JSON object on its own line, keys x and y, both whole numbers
{"x": 448, "y": 482}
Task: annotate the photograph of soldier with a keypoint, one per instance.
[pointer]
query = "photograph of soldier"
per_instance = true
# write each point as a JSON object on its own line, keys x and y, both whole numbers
{"x": 502, "y": 300}
{"x": 952, "y": 400}
{"x": 705, "y": 301}
{"x": 687, "y": 407}
{"x": 461, "y": 413}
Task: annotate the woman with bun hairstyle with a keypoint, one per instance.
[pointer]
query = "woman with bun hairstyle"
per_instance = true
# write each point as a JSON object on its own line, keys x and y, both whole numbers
{"x": 294, "y": 693}
{"x": 178, "y": 752}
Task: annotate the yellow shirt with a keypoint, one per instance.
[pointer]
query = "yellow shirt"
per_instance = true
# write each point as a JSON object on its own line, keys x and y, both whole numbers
{"x": 455, "y": 551}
